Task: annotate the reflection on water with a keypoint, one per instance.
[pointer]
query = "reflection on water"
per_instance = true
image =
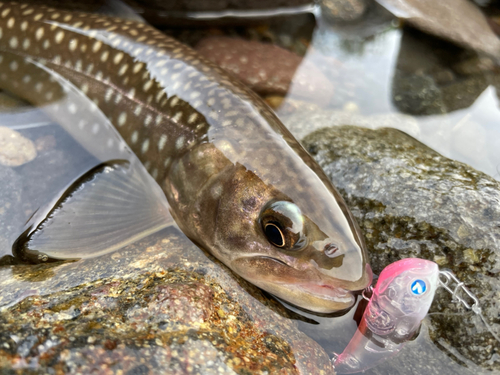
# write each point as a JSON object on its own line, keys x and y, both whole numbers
{"x": 367, "y": 61}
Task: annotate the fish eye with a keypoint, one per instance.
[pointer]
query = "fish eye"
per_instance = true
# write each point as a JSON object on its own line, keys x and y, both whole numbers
{"x": 274, "y": 234}
{"x": 283, "y": 225}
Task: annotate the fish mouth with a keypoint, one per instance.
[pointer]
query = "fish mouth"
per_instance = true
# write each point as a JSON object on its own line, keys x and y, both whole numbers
{"x": 314, "y": 286}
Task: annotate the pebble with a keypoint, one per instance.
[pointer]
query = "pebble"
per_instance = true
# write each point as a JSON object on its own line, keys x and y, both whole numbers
{"x": 15, "y": 150}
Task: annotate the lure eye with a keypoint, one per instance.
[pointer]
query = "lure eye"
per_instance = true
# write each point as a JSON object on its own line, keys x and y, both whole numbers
{"x": 283, "y": 225}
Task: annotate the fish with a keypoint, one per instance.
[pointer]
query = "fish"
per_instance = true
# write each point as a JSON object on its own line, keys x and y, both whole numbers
{"x": 221, "y": 166}
{"x": 400, "y": 301}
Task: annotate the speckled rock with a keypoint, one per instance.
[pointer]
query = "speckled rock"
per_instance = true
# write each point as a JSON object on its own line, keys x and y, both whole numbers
{"x": 459, "y": 21}
{"x": 306, "y": 120}
{"x": 15, "y": 149}
{"x": 266, "y": 68}
{"x": 412, "y": 202}
{"x": 158, "y": 306}
{"x": 343, "y": 10}
{"x": 10, "y": 199}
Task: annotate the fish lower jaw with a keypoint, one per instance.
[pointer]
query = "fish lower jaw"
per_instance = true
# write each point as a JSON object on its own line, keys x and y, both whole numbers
{"x": 326, "y": 292}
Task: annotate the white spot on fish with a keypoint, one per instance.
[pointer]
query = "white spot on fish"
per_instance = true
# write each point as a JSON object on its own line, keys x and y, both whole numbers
{"x": 81, "y": 124}
{"x": 148, "y": 120}
{"x": 13, "y": 42}
{"x": 104, "y": 56}
{"x": 39, "y": 87}
{"x": 192, "y": 118}
{"x": 179, "y": 143}
{"x": 110, "y": 142}
{"x": 49, "y": 95}
{"x": 159, "y": 118}
{"x": 138, "y": 67}
{"x": 46, "y": 44}
{"x": 85, "y": 88}
{"x": 174, "y": 101}
{"x": 95, "y": 128}
{"x": 145, "y": 146}
{"x": 122, "y": 70}
{"x": 39, "y": 33}
{"x": 73, "y": 44}
{"x": 59, "y": 37}
{"x": 72, "y": 108}
{"x": 162, "y": 141}
{"x": 13, "y": 66}
{"x": 109, "y": 93}
{"x": 97, "y": 46}
{"x": 122, "y": 118}
{"x": 137, "y": 110}
{"x": 26, "y": 43}
{"x": 135, "y": 137}
{"x": 177, "y": 117}
{"x": 11, "y": 22}
{"x": 26, "y": 78}
{"x": 5, "y": 12}
{"x": 118, "y": 57}
{"x": 147, "y": 85}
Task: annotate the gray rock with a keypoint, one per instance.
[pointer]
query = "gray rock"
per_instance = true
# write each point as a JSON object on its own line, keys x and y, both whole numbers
{"x": 412, "y": 202}
{"x": 459, "y": 21}
{"x": 157, "y": 306}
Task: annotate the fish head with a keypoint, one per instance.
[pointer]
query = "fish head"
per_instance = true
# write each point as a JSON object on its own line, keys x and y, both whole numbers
{"x": 402, "y": 297}
{"x": 266, "y": 237}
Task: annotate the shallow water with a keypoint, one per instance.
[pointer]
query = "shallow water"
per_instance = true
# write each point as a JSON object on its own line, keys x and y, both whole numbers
{"x": 360, "y": 61}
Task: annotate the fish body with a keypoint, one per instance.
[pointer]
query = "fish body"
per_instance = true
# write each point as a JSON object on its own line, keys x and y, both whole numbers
{"x": 400, "y": 301}
{"x": 236, "y": 181}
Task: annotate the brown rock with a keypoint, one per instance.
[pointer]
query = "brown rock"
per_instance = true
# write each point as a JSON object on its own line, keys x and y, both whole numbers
{"x": 459, "y": 21}
{"x": 159, "y": 306}
{"x": 266, "y": 68}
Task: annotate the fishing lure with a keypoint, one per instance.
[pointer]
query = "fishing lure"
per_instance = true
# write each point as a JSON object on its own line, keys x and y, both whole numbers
{"x": 400, "y": 301}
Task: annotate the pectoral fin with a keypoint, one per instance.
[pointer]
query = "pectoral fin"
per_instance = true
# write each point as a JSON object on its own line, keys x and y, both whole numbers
{"x": 109, "y": 207}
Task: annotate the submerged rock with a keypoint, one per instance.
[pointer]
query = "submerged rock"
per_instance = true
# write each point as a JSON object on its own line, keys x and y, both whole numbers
{"x": 459, "y": 21}
{"x": 266, "y": 68}
{"x": 158, "y": 306}
{"x": 412, "y": 202}
{"x": 15, "y": 150}
{"x": 343, "y": 10}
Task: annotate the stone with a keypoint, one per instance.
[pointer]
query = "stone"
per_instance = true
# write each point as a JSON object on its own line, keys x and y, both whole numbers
{"x": 306, "y": 120}
{"x": 412, "y": 202}
{"x": 157, "y": 306}
{"x": 15, "y": 150}
{"x": 458, "y": 21}
{"x": 343, "y": 10}
{"x": 267, "y": 69}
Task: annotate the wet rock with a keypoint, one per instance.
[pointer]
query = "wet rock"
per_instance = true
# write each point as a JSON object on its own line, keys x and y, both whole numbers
{"x": 266, "y": 68}
{"x": 459, "y": 21}
{"x": 343, "y": 10}
{"x": 10, "y": 199}
{"x": 412, "y": 202}
{"x": 15, "y": 150}
{"x": 417, "y": 95}
{"x": 305, "y": 120}
{"x": 158, "y": 306}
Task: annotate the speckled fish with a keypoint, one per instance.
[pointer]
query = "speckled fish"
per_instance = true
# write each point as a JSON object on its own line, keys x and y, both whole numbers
{"x": 236, "y": 182}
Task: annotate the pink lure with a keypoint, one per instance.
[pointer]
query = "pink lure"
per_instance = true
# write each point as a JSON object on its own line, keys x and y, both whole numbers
{"x": 400, "y": 301}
